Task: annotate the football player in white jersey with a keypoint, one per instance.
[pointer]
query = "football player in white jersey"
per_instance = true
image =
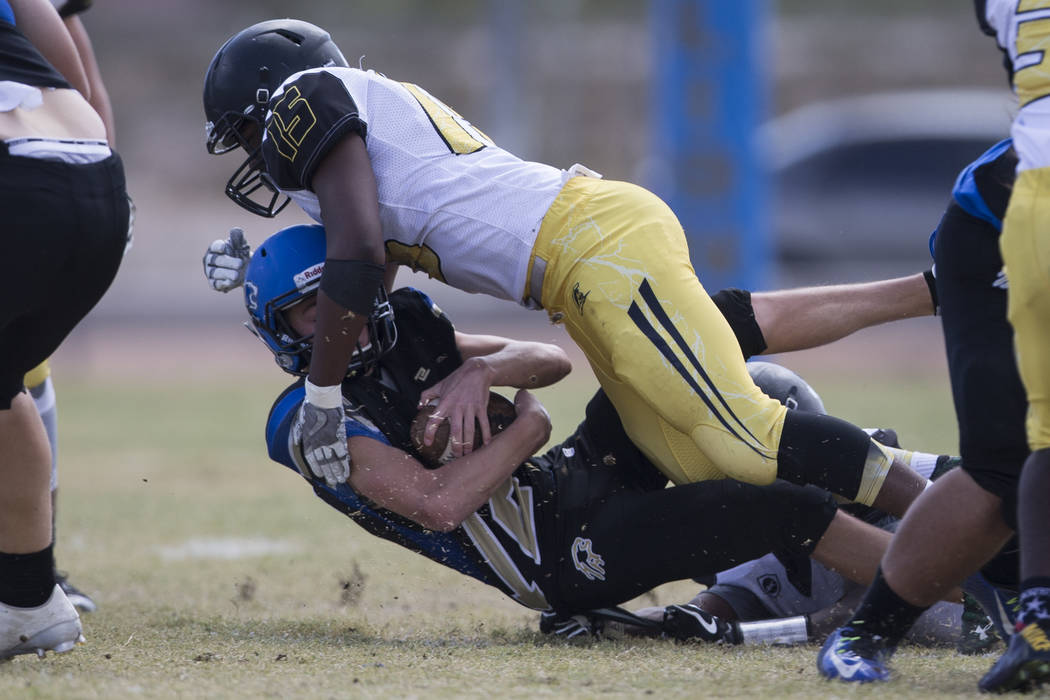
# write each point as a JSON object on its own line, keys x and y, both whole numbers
{"x": 399, "y": 178}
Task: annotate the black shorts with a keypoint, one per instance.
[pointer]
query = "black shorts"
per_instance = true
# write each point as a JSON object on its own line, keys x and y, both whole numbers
{"x": 621, "y": 533}
{"x": 63, "y": 236}
{"x": 989, "y": 398}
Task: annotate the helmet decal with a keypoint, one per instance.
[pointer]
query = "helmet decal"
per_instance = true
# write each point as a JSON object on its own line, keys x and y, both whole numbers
{"x": 309, "y": 276}
{"x": 251, "y": 296}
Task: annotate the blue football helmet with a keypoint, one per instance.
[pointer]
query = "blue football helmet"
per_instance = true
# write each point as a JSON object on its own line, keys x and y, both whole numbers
{"x": 785, "y": 386}
{"x": 284, "y": 271}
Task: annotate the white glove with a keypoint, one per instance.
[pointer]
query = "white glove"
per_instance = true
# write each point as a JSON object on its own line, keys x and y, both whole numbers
{"x": 226, "y": 261}
{"x": 320, "y": 429}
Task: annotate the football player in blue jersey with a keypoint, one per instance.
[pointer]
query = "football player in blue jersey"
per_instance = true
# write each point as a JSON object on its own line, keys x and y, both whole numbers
{"x": 65, "y": 204}
{"x": 587, "y": 525}
{"x": 939, "y": 544}
{"x": 400, "y": 178}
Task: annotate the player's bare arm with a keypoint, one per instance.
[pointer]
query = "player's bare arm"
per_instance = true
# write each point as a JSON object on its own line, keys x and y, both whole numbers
{"x": 796, "y": 319}
{"x": 440, "y": 499}
{"x": 346, "y": 189}
{"x": 488, "y": 361}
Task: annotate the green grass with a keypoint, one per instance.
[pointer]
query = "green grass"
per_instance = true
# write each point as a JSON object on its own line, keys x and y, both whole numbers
{"x": 154, "y": 471}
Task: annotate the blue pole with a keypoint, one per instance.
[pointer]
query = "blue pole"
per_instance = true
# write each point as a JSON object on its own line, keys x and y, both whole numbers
{"x": 709, "y": 101}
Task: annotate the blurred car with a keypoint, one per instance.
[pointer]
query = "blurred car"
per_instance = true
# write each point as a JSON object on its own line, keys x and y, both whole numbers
{"x": 859, "y": 183}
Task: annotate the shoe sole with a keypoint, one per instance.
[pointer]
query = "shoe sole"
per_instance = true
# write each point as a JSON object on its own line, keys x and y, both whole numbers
{"x": 1028, "y": 676}
{"x": 59, "y": 638}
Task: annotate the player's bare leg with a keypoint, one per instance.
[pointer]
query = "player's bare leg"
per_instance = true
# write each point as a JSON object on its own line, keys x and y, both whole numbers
{"x": 35, "y": 615}
{"x": 1026, "y": 662}
{"x": 921, "y": 568}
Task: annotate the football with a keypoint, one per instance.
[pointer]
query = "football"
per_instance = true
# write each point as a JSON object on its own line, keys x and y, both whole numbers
{"x": 500, "y": 412}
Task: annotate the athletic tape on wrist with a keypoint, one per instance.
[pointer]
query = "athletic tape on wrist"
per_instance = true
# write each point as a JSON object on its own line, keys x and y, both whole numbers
{"x": 324, "y": 396}
{"x": 353, "y": 284}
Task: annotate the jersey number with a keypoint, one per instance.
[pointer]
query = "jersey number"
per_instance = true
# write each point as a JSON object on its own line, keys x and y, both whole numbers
{"x": 292, "y": 120}
{"x": 1032, "y": 82}
{"x": 459, "y": 135}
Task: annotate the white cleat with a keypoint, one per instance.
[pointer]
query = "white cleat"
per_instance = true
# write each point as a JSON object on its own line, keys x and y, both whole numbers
{"x": 53, "y": 626}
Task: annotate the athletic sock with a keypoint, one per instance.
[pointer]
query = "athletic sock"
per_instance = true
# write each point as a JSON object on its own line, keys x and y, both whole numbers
{"x": 1035, "y": 602}
{"x": 26, "y": 580}
{"x": 883, "y": 614}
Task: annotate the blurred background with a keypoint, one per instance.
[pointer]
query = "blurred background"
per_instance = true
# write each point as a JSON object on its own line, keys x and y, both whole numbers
{"x": 801, "y": 141}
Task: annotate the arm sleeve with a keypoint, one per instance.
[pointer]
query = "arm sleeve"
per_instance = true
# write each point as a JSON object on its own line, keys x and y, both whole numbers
{"x": 735, "y": 305}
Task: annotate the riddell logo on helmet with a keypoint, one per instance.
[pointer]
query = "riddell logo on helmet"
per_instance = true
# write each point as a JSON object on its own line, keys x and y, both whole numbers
{"x": 308, "y": 276}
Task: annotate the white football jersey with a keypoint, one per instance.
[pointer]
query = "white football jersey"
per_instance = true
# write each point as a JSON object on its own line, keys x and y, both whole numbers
{"x": 1022, "y": 30}
{"x": 451, "y": 202}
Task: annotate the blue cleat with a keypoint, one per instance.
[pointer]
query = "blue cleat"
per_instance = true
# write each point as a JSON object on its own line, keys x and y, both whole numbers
{"x": 852, "y": 656}
{"x": 1024, "y": 666}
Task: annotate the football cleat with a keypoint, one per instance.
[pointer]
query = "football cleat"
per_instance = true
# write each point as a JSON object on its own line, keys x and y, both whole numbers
{"x": 690, "y": 623}
{"x": 80, "y": 600}
{"x": 1024, "y": 665}
{"x": 53, "y": 626}
{"x": 999, "y": 604}
{"x": 855, "y": 657}
{"x": 978, "y": 633}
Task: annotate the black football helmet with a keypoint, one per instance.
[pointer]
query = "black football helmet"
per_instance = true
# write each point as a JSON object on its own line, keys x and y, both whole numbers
{"x": 242, "y": 76}
{"x": 785, "y": 386}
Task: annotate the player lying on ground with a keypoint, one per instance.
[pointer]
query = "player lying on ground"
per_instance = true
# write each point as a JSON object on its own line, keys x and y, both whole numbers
{"x": 399, "y": 178}
{"x": 589, "y": 524}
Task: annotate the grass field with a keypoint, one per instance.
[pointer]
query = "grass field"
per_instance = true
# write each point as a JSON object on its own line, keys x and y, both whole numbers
{"x": 218, "y": 574}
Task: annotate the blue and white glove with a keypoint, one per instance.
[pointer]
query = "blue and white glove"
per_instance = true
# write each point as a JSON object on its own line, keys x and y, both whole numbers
{"x": 226, "y": 261}
{"x": 320, "y": 429}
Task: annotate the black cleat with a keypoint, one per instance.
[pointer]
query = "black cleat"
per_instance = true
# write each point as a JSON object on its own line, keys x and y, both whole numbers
{"x": 80, "y": 600}
{"x": 1025, "y": 665}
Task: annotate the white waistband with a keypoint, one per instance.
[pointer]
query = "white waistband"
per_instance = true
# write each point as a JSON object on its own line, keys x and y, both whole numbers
{"x": 73, "y": 151}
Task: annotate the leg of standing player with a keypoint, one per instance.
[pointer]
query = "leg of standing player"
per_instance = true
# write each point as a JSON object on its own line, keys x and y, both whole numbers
{"x": 938, "y": 543}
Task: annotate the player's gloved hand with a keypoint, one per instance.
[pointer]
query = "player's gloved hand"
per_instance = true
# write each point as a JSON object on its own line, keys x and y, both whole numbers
{"x": 569, "y": 626}
{"x": 226, "y": 261}
{"x": 321, "y": 430}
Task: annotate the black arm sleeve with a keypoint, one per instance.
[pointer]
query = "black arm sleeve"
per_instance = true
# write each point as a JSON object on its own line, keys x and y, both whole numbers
{"x": 735, "y": 305}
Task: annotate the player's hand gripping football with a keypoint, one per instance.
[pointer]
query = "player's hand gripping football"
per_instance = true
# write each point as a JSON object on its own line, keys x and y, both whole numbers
{"x": 462, "y": 397}
{"x": 320, "y": 429}
{"x": 226, "y": 261}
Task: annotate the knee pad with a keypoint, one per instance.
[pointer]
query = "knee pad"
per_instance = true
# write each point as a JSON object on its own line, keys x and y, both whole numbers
{"x": 824, "y": 451}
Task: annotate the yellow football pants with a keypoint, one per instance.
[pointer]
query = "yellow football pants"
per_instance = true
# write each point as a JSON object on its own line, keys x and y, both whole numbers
{"x": 618, "y": 275}
{"x": 1025, "y": 246}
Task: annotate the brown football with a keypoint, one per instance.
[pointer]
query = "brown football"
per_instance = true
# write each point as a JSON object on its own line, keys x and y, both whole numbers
{"x": 500, "y": 411}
